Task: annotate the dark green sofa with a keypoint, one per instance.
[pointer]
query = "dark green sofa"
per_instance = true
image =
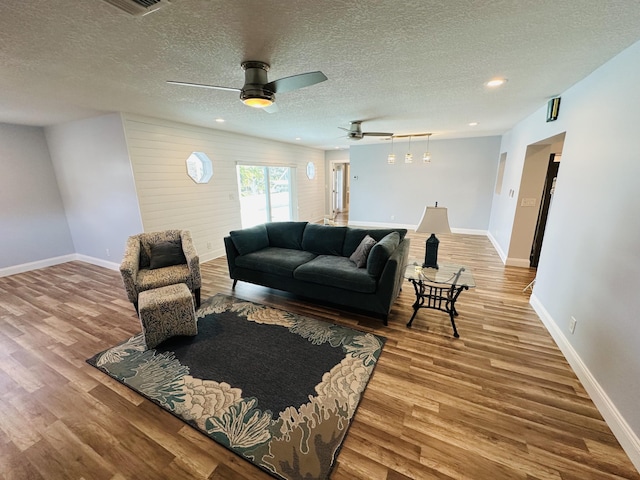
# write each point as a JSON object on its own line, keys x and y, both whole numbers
{"x": 312, "y": 261}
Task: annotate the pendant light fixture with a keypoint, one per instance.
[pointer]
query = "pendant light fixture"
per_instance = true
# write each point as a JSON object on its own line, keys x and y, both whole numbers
{"x": 391, "y": 159}
{"x": 408, "y": 158}
{"x": 426, "y": 158}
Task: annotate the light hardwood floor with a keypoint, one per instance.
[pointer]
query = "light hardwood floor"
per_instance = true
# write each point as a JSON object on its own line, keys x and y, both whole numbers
{"x": 500, "y": 402}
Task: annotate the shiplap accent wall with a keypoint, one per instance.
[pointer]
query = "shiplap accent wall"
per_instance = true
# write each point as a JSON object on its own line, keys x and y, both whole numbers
{"x": 168, "y": 198}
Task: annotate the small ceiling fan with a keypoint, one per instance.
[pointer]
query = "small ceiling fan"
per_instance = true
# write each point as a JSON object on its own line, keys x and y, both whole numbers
{"x": 354, "y": 132}
{"x": 258, "y": 91}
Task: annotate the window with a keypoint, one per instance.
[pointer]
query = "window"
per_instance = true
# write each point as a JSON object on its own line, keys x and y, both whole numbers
{"x": 265, "y": 194}
{"x": 199, "y": 167}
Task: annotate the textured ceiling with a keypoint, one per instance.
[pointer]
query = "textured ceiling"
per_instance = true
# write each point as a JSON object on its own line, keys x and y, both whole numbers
{"x": 402, "y": 66}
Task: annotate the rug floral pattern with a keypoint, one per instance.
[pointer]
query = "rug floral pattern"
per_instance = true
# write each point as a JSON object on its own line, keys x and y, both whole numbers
{"x": 300, "y": 442}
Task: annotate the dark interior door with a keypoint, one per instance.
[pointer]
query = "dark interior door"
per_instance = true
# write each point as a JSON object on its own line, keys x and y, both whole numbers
{"x": 545, "y": 203}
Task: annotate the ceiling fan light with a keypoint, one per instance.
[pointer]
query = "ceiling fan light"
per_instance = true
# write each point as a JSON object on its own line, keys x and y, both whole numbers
{"x": 257, "y": 102}
{"x": 257, "y": 97}
{"x": 391, "y": 159}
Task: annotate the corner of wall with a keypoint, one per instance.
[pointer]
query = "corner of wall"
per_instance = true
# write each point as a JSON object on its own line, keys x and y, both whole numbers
{"x": 496, "y": 245}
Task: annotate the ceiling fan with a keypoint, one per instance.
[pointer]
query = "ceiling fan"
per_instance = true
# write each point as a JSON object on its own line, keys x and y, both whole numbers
{"x": 257, "y": 91}
{"x": 354, "y": 132}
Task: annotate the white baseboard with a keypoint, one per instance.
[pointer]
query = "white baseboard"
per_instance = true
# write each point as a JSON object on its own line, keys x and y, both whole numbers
{"x": 49, "y": 262}
{"x": 470, "y": 231}
{"x": 620, "y": 428}
{"x": 518, "y": 262}
{"x": 27, "y": 267}
{"x": 205, "y": 257}
{"x": 509, "y": 261}
{"x": 496, "y": 245}
{"x": 380, "y": 225}
{"x": 97, "y": 261}
{"x": 466, "y": 231}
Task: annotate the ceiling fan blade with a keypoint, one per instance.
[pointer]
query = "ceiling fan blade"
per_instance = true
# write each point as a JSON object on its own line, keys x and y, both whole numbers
{"x": 215, "y": 87}
{"x": 345, "y": 129}
{"x": 295, "y": 82}
{"x": 378, "y": 134}
{"x": 273, "y": 108}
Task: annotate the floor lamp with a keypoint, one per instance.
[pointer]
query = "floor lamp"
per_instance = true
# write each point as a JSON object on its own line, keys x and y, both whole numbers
{"x": 434, "y": 220}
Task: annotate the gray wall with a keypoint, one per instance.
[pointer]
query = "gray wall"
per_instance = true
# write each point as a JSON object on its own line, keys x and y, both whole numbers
{"x": 92, "y": 165}
{"x": 33, "y": 225}
{"x": 590, "y": 262}
{"x": 461, "y": 177}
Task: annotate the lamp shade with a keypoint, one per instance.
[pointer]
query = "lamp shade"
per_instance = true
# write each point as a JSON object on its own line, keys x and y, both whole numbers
{"x": 434, "y": 220}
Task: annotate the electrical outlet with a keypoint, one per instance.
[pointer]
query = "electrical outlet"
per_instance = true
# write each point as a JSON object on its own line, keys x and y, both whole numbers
{"x": 393, "y": 217}
{"x": 208, "y": 245}
{"x": 108, "y": 254}
{"x": 572, "y": 324}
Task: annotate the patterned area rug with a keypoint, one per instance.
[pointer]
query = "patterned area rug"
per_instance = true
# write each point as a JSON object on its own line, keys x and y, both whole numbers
{"x": 278, "y": 389}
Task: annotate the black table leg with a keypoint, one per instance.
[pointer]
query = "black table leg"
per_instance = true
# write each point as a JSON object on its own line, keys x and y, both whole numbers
{"x": 453, "y": 324}
{"x": 437, "y": 298}
{"x": 415, "y": 310}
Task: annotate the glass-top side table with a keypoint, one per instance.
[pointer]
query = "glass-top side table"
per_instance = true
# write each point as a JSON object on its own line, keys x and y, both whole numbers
{"x": 438, "y": 288}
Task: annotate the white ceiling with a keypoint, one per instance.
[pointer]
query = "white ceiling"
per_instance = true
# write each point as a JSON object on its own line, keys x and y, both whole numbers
{"x": 406, "y": 66}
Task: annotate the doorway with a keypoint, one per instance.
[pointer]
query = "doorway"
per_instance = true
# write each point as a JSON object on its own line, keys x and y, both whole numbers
{"x": 534, "y": 201}
{"x": 339, "y": 197}
{"x": 545, "y": 204}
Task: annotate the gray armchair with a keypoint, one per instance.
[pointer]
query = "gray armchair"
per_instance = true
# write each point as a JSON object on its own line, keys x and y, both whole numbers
{"x": 157, "y": 259}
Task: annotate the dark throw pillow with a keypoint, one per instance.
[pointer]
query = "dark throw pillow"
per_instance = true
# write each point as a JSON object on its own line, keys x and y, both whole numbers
{"x": 381, "y": 252}
{"x": 359, "y": 257}
{"x": 166, "y": 254}
{"x": 250, "y": 240}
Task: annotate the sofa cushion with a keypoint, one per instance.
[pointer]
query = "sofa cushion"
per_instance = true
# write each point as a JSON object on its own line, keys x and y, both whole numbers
{"x": 166, "y": 254}
{"x": 323, "y": 240}
{"x": 250, "y": 240}
{"x": 360, "y": 256}
{"x": 286, "y": 234}
{"x": 337, "y": 272}
{"x": 381, "y": 252}
{"x": 274, "y": 260}
{"x": 354, "y": 236}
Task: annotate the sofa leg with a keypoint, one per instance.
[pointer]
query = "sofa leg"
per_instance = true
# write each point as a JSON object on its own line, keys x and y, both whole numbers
{"x": 234, "y": 284}
{"x": 196, "y": 292}
{"x": 385, "y": 320}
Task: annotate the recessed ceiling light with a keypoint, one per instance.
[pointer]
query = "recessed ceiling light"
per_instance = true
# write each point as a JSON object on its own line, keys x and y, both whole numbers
{"x": 298, "y": 138}
{"x": 473, "y": 124}
{"x": 496, "y": 82}
{"x": 220, "y": 120}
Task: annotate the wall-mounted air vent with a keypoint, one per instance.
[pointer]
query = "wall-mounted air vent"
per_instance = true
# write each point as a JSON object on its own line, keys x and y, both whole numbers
{"x": 139, "y": 7}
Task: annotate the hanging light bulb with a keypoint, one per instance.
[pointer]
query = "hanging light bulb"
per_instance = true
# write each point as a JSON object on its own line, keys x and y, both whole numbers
{"x": 426, "y": 158}
{"x": 391, "y": 159}
{"x": 408, "y": 158}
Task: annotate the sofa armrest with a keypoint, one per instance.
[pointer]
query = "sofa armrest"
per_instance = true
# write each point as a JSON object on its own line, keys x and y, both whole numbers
{"x": 232, "y": 253}
{"x": 392, "y": 276}
{"x": 129, "y": 267}
{"x": 193, "y": 260}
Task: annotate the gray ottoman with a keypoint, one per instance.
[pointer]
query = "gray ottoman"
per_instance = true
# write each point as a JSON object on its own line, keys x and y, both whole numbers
{"x": 166, "y": 312}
